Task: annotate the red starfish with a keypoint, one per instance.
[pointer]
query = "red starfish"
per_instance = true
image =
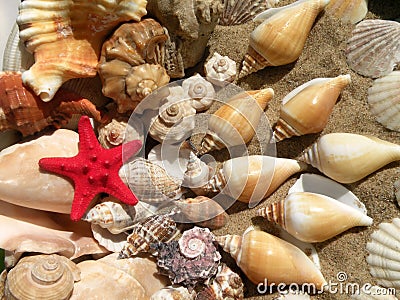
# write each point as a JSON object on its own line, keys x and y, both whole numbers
{"x": 93, "y": 170}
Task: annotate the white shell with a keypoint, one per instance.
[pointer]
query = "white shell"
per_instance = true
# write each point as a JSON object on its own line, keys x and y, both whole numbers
{"x": 220, "y": 69}
{"x": 197, "y": 172}
{"x": 375, "y": 293}
{"x": 384, "y": 254}
{"x": 384, "y": 100}
{"x": 112, "y": 242}
{"x": 352, "y": 11}
{"x": 174, "y": 293}
{"x": 374, "y": 48}
{"x": 200, "y": 91}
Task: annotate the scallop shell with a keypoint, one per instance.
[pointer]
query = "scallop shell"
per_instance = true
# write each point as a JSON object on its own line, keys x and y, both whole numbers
{"x": 174, "y": 293}
{"x": 352, "y": 11}
{"x": 150, "y": 182}
{"x": 154, "y": 229}
{"x": 200, "y": 91}
{"x": 348, "y": 157}
{"x": 284, "y": 28}
{"x": 384, "y": 100}
{"x": 374, "y": 48}
{"x": 66, "y": 38}
{"x": 375, "y": 293}
{"x": 238, "y": 12}
{"x": 220, "y": 69}
{"x": 42, "y": 277}
{"x": 383, "y": 258}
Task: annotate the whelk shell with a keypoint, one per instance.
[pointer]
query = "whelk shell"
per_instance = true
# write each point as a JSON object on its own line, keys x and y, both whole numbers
{"x": 42, "y": 277}
{"x": 280, "y": 38}
{"x": 307, "y": 108}
{"x": 200, "y": 91}
{"x": 235, "y": 122}
{"x": 220, "y": 69}
{"x": 348, "y": 157}
{"x": 66, "y": 38}
{"x": 352, "y": 11}
{"x": 384, "y": 100}
{"x": 261, "y": 255}
{"x": 312, "y": 217}
{"x": 374, "y": 48}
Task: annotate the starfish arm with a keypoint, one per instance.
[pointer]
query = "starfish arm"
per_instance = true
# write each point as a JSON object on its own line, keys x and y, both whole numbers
{"x": 130, "y": 148}
{"x": 60, "y": 165}
{"x": 82, "y": 199}
{"x": 119, "y": 190}
{"x": 87, "y": 138}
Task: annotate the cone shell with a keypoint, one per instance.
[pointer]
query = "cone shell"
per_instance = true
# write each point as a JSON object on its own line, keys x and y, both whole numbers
{"x": 263, "y": 256}
{"x": 352, "y": 11}
{"x": 313, "y": 217}
{"x": 374, "y": 50}
{"x": 384, "y": 100}
{"x": 348, "y": 157}
{"x": 307, "y": 109}
{"x": 280, "y": 38}
{"x": 42, "y": 277}
{"x": 383, "y": 258}
{"x": 235, "y": 122}
{"x": 66, "y": 38}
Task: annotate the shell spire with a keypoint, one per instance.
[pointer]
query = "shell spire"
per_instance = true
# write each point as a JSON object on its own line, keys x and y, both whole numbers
{"x": 280, "y": 38}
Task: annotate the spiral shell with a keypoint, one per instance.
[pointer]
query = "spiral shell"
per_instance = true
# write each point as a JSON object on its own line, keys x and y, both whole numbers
{"x": 280, "y": 38}
{"x": 352, "y": 11}
{"x": 200, "y": 91}
{"x": 42, "y": 277}
{"x": 348, "y": 157}
{"x": 220, "y": 69}
{"x": 112, "y": 134}
{"x": 66, "y": 38}
{"x": 197, "y": 172}
{"x": 154, "y": 229}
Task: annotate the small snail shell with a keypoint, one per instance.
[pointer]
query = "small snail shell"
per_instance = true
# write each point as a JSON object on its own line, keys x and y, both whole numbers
{"x": 197, "y": 172}
{"x": 348, "y": 157}
{"x": 261, "y": 255}
{"x": 236, "y": 121}
{"x": 200, "y": 91}
{"x": 307, "y": 109}
{"x": 313, "y": 217}
{"x": 220, "y": 69}
{"x": 42, "y": 277}
{"x": 280, "y": 38}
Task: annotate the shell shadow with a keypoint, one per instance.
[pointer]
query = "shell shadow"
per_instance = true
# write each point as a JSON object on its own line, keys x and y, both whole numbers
{"x": 385, "y": 9}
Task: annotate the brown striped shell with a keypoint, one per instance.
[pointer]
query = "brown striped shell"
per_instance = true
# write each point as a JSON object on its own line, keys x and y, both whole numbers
{"x": 154, "y": 229}
{"x": 22, "y": 110}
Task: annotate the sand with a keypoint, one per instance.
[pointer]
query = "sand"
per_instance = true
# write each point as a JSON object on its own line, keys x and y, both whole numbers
{"x": 323, "y": 56}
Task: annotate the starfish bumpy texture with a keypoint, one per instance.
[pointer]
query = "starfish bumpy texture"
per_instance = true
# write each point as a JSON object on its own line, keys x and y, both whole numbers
{"x": 93, "y": 170}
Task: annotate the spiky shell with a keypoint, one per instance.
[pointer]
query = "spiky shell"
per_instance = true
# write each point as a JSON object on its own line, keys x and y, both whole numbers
{"x": 351, "y": 11}
{"x": 374, "y": 50}
{"x": 42, "y": 277}
{"x": 384, "y": 100}
{"x": 154, "y": 229}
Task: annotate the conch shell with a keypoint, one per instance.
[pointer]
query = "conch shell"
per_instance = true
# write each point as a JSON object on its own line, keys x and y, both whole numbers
{"x": 307, "y": 108}
{"x": 236, "y": 121}
{"x": 66, "y": 36}
{"x": 263, "y": 256}
{"x": 22, "y": 110}
{"x": 42, "y": 277}
{"x": 348, "y": 157}
{"x": 313, "y": 217}
{"x": 280, "y": 38}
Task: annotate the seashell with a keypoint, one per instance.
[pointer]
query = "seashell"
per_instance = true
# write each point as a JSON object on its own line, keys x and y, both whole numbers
{"x": 238, "y": 12}
{"x": 203, "y": 211}
{"x": 312, "y": 217}
{"x": 173, "y": 61}
{"x": 174, "y": 293}
{"x": 375, "y": 293}
{"x": 42, "y": 277}
{"x": 66, "y": 39}
{"x": 352, "y": 11}
{"x": 396, "y": 186}
{"x": 173, "y": 255}
{"x": 235, "y": 122}
{"x": 174, "y": 122}
{"x": 200, "y": 91}
{"x": 307, "y": 108}
{"x": 261, "y": 255}
{"x": 374, "y": 50}
{"x": 21, "y": 110}
{"x": 348, "y": 157}
{"x": 113, "y": 242}
{"x": 150, "y": 182}
{"x": 220, "y": 69}
{"x": 280, "y": 38}
{"x": 197, "y": 173}
{"x": 112, "y": 134}
{"x": 258, "y": 178}
{"x": 154, "y": 229}
{"x": 384, "y": 100}
{"x": 103, "y": 281}
{"x": 226, "y": 285}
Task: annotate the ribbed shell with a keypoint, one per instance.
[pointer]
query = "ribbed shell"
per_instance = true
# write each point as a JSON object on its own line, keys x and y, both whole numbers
{"x": 374, "y": 48}
{"x": 384, "y": 100}
{"x": 154, "y": 229}
{"x": 351, "y": 11}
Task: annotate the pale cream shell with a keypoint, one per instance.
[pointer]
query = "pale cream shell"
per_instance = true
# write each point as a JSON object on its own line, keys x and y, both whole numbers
{"x": 200, "y": 91}
{"x": 220, "y": 69}
{"x": 352, "y": 11}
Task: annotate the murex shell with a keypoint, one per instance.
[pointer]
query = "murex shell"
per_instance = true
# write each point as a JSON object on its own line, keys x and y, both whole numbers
{"x": 42, "y": 277}
{"x": 351, "y": 11}
{"x": 66, "y": 36}
{"x": 374, "y": 48}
